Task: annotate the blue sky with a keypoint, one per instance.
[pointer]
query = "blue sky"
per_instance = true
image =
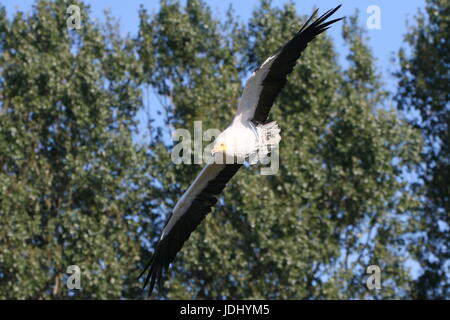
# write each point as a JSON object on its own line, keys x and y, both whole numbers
{"x": 384, "y": 42}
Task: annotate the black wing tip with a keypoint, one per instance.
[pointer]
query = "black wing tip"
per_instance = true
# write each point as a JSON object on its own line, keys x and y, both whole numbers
{"x": 326, "y": 15}
{"x": 150, "y": 268}
{"x": 154, "y": 276}
{"x": 167, "y": 247}
{"x": 319, "y": 24}
{"x": 154, "y": 272}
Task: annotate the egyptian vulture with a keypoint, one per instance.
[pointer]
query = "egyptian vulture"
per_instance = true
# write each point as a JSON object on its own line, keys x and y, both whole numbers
{"x": 248, "y": 133}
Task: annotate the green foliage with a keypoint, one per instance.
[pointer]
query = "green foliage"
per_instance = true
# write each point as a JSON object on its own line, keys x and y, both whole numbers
{"x": 70, "y": 174}
{"x": 75, "y": 188}
{"x": 424, "y": 88}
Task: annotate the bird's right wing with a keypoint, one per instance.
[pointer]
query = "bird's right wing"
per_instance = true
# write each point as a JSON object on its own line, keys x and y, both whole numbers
{"x": 270, "y": 78}
{"x": 188, "y": 213}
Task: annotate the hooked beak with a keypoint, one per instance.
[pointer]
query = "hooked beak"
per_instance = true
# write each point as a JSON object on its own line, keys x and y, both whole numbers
{"x": 219, "y": 148}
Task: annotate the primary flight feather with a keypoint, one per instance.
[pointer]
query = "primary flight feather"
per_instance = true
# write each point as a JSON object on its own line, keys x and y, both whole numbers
{"x": 248, "y": 134}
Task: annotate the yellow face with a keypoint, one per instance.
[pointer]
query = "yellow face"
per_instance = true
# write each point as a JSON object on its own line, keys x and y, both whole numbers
{"x": 221, "y": 147}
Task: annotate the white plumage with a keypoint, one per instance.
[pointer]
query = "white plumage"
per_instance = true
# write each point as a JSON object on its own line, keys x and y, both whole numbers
{"x": 243, "y": 139}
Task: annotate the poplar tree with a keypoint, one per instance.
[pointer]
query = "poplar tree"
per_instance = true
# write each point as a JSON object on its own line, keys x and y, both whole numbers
{"x": 424, "y": 93}
{"x": 71, "y": 177}
{"x": 79, "y": 186}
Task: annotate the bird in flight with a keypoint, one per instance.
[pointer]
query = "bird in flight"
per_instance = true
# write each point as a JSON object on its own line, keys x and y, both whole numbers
{"x": 248, "y": 134}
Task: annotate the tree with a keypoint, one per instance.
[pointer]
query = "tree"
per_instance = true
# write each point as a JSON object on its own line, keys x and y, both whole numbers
{"x": 338, "y": 203}
{"x": 424, "y": 91}
{"x": 78, "y": 188}
{"x": 72, "y": 180}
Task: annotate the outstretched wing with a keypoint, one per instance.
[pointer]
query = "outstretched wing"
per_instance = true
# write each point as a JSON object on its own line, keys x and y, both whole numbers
{"x": 188, "y": 213}
{"x": 267, "y": 81}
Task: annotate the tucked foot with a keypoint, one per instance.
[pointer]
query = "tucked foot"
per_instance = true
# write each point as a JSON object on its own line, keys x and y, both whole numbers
{"x": 268, "y": 138}
{"x": 269, "y": 135}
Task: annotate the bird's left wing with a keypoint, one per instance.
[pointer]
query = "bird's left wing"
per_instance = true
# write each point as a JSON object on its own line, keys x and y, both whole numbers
{"x": 188, "y": 213}
{"x": 267, "y": 81}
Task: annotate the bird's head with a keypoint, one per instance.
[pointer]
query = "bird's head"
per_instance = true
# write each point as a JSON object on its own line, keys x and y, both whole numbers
{"x": 224, "y": 143}
{"x": 219, "y": 146}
